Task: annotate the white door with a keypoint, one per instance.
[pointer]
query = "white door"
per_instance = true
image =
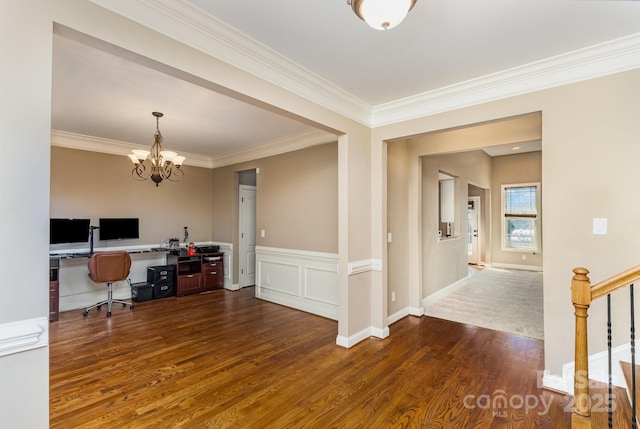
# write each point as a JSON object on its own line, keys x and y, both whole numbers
{"x": 247, "y": 244}
{"x": 473, "y": 242}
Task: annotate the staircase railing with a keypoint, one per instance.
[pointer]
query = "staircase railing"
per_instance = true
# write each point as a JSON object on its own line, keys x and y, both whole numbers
{"x": 582, "y": 294}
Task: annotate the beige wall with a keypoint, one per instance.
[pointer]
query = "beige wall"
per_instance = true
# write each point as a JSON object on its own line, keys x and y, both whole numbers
{"x": 296, "y": 200}
{"x": 509, "y": 170}
{"x": 397, "y": 202}
{"x": 589, "y": 141}
{"x": 445, "y": 260}
{"x": 92, "y": 185}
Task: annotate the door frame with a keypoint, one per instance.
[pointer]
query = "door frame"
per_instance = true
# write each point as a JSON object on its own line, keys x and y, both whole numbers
{"x": 477, "y": 203}
{"x": 243, "y": 279}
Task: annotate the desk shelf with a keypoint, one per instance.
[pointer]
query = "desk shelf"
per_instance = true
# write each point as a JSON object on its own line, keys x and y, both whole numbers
{"x": 198, "y": 273}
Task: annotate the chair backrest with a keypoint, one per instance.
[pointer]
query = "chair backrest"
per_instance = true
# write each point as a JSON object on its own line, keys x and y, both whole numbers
{"x": 106, "y": 267}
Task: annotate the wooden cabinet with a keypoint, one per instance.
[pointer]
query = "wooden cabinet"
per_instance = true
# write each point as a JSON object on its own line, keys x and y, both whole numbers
{"x": 197, "y": 273}
{"x": 212, "y": 272}
{"x": 54, "y": 286}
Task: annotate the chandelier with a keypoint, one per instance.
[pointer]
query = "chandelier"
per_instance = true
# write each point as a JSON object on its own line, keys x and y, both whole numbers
{"x": 163, "y": 164}
{"x": 382, "y": 14}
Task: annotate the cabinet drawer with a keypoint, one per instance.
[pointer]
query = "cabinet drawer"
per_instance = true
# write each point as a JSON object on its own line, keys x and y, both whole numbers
{"x": 188, "y": 284}
{"x": 213, "y": 278}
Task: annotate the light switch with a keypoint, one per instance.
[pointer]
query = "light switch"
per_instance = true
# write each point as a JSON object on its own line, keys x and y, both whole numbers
{"x": 263, "y": 233}
{"x": 389, "y": 237}
{"x": 600, "y": 226}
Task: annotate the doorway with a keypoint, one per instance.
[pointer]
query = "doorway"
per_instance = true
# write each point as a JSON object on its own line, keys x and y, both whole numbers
{"x": 247, "y": 236}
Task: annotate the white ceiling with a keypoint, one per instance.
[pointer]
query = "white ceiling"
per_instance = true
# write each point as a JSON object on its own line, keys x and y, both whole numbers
{"x": 446, "y": 44}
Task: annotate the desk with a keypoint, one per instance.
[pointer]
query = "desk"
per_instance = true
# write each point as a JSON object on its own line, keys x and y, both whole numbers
{"x": 70, "y": 288}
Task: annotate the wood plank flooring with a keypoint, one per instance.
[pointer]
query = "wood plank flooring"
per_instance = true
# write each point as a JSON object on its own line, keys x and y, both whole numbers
{"x": 228, "y": 360}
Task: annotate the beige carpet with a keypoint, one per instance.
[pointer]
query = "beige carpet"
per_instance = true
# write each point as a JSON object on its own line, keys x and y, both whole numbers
{"x": 502, "y": 300}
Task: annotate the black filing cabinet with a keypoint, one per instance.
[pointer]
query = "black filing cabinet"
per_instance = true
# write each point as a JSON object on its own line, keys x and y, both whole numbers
{"x": 161, "y": 277}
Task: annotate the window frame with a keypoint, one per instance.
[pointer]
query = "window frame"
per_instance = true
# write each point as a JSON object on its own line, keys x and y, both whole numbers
{"x": 536, "y": 218}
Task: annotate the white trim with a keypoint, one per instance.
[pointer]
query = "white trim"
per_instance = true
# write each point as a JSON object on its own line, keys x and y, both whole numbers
{"x": 598, "y": 369}
{"x": 398, "y": 315}
{"x": 441, "y": 293}
{"x": 556, "y": 383}
{"x": 515, "y": 266}
{"x": 23, "y": 335}
{"x": 187, "y": 24}
{"x": 114, "y": 147}
{"x": 603, "y": 59}
{"x": 362, "y": 335}
{"x": 416, "y": 311}
{"x": 181, "y": 21}
{"x": 306, "y": 254}
{"x": 363, "y": 266}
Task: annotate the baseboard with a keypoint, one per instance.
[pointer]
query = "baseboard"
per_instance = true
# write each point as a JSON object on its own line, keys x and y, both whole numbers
{"x": 516, "y": 267}
{"x": 407, "y": 311}
{"x": 233, "y": 287}
{"x": 398, "y": 315}
{"x": 358, "y": 337}
{"x": 438, "y": 295}
{"x": 556, "y": 383}
{"x": 599, "y": 368}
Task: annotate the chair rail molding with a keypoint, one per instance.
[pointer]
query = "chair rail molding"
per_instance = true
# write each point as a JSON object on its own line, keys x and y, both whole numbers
{"x": 364, "y": 265}
{"x": 23, "y": 335}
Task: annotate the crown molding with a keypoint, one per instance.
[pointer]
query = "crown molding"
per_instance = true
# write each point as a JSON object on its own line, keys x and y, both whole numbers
{"x": 595, "y": 61}
{"x": 181, "y": 21}
{"x": 114, "y": 147}
{"x": 288, "y": 144}
{"x": 189, "y": 25}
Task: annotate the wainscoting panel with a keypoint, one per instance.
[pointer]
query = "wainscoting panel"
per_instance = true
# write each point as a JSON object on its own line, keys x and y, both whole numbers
{"x": 299, "y": 279}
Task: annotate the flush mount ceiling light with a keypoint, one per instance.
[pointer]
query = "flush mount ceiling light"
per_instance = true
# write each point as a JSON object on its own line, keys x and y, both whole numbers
{"x": 382, "y": 14}
{"x": 163, "y": 164}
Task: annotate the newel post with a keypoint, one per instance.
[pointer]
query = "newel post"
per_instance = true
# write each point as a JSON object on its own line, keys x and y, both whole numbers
{"x": 581, "y": 298}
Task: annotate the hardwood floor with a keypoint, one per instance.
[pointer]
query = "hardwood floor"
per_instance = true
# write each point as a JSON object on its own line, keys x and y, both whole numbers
{"x": 228, "y": 360}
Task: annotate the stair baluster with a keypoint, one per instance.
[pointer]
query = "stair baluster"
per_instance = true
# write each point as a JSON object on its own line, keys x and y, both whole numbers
{"x": 609, "y": 359}
{"x": 633, "y": 359}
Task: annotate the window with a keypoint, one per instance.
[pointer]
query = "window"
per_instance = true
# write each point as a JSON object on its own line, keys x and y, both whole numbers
{"x": 521, "y": 217}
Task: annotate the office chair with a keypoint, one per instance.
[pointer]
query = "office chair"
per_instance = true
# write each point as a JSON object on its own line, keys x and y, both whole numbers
{"x": 109, "y": 267}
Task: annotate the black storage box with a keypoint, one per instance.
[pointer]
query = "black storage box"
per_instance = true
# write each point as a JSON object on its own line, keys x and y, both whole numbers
{"x": 142, "y": 291}
{"x": 160, "y": 274}
{"x": 163, "y": 290}
{"x": 207, "y": 249}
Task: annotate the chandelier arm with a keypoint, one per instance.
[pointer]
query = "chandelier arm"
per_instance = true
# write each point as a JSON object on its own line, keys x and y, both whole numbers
{"x": 139, "y": 172}
{"x": 176, "y": 175}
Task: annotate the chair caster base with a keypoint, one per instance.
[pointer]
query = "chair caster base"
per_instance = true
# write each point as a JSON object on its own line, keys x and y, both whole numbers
{"x": 108, "y": 314}
{"x": 84, "y": 313}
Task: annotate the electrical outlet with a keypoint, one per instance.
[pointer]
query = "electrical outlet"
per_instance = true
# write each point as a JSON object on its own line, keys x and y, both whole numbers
{"x": 393, "y": 297}
{"x": 524, "y": 257}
